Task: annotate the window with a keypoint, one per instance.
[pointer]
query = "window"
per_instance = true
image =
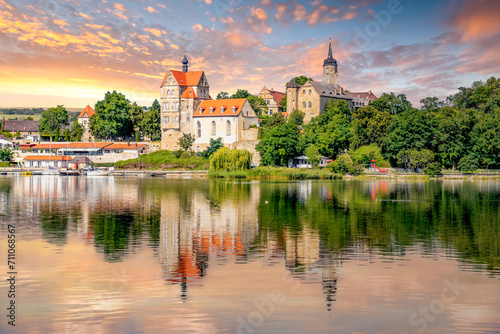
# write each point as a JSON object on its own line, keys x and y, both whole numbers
{"x": 175, "y": 119}
{"x": 234, "y": 109}
{"x": 310, "y": 104}
{"x": 201, "y": 110}
{"x": 270, "y": 112}
{"x": 198, "y": 125}
{"x": 310, "y": 91}
{"x": 166, "y": 119}
{"x": 228, "y": 128}
{"x": 198, "y": 149}
{"x": 211, "y": 110}
{"x": 304, "y": 104}
{"x": 267, "y": 102}
{"x": 303, "y": 91}
{"x": 214, "y": 128}
{"x": 164, "y": 106}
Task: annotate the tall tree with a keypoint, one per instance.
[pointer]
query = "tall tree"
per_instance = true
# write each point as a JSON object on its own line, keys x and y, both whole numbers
{"x": 150, "y": 124}
{"x": 279, "y": 145}
{"x": 136, "y": 114}
{"x": 186, "y": 141}
{"x": 296, "y": 117}
{"x": 241, "y": 94}
{"x": 392, "y": 103}
{"x": 111, "y": 118}
{"x": 52, "y": 120}
{"x": 369, "y": 125}
{"x": 76, "y": 131}
{"x": 222, "y": 95}
{"x": 258, "y": 104}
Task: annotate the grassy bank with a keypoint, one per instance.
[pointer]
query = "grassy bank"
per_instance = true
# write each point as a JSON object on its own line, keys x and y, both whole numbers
{"x": 278, "y": 173}
{"x": 164, "y": 159}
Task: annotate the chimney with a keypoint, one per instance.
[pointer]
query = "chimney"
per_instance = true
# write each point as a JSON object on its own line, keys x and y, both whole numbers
{"x": 135, "y": 144}
{"x": 128, "y": 143}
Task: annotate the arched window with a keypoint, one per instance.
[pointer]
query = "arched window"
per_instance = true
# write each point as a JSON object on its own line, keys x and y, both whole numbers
{"x": 214, "y": 128}
{"x": 304, "y": 104}
{"x": 310, "y": 104}
{"x": 228, "y": 128}
{"x": 310, "y": 91}
{"x": 198, "y": 125}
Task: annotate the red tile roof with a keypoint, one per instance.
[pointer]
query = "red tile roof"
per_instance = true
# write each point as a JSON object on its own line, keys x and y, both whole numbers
{"x": 184, "y": 79}
{"x": 189, "y": 93}
{"x": 89, "y": 111}
{"x": 125, "y": 146}
{"x": 88, "y": 145}
{"x": 364, "y": 95}
{"x": 48, "y": 146}
{"x": 216, "y": 105}
{"x": 285, "y": 114}
{"x": 48, "y": 157}
{"x": 277, "y": 96}
{"x": 21, "y": 126}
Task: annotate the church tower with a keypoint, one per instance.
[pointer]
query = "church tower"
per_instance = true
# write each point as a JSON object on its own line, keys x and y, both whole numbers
{"x": 184, "y": 64}
{"x": 330, "y": 70}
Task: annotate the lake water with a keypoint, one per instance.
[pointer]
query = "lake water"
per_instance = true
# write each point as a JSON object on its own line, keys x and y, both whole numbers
{"x": 126, "y": 255}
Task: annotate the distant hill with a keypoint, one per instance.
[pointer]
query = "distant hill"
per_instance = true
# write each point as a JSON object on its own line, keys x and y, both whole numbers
{"x": 35, "y": 113}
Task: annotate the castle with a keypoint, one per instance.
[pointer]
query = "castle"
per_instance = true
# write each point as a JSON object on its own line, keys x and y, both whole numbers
{"x": 313, "y": 96}
{"x": 186, "y": 107}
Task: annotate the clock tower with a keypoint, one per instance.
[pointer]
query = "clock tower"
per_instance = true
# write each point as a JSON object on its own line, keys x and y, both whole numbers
{"x": 330, "y": 70}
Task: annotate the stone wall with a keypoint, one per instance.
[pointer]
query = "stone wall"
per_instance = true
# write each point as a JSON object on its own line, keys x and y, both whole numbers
{"x": 250, "y": 146}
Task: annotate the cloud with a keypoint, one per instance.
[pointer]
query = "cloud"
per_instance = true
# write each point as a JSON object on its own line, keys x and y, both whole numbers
{"x": 152, "y": 10}
{"x": 120, "y": 7}
{"x": 478, "y": 19}
{"x": 197, "y": 27}
{"x": 85, "y": 16}
{"x": 154, "y": 31}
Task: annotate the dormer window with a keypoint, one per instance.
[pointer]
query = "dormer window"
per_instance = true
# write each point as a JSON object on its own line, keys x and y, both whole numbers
{"x": 234, "y": 109}
{"x": 221, "y": 109}
{"x": 201, "y": 110}
{"x": 211, "y": 110}
{"x": 182, "y": 81}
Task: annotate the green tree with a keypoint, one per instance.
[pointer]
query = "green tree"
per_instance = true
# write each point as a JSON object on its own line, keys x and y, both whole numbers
{"x": 412, "y": 129}
{"x": 28, "y": 118}
{"x": 151, "y": 122}
{"x": 431, "y": 104}
{"x": 330, "y": 131}
{"x": 258, "y": 104}
{"x": 213, "y": 146}
{"x": 229, "y": 160}
{"x": 222, "y": 95}
{"x": 6, "y": 154}
{"x": 241, "y": 94}
{"x": 66, "y": 135}
{"x": 56, "y": 138}
{"x": 136, "y": 114}
{"x": 155, "y": 105}
{"x": 18, "y": 134}
{"x": 485, "y": 136}
{"x": 186, "y": 141}
{"x": 313, "y": 155}
{"x": 296, "y": 117}
{"x": 53, "y": 119}
{"x": 279, "y": 144}
{"x": 413, "y": 159}
{"x": 76, "y": 131}
{"x": 112, "y": 117}
{"x": 468, "y": 163}
{"x": 343, "y": 165}
{"x": 369, "y": 126}
{"x": 391, "y": 103}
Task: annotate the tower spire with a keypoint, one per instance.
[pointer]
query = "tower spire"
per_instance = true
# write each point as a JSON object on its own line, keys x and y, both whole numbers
{"x": 330, "y": 55}
{"x": 185, "y": 64}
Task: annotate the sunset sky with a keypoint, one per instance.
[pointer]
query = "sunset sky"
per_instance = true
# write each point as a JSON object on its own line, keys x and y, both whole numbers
{"x": 72, "y": 52}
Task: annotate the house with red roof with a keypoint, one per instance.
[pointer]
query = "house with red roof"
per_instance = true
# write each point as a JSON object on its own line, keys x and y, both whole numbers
{"x": 226, "y": 119}
{"x": 84, "y": 120}
{"x": 273, "y": 99}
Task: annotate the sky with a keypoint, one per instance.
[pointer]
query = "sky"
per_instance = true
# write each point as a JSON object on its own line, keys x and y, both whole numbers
{"x": 71, "y": 52}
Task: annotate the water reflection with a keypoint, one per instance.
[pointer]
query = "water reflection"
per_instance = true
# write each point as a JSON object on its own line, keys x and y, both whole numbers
{"x": 182, "y": 234}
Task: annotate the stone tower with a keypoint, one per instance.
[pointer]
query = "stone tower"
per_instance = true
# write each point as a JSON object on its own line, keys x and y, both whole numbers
{"x": 330, "y": 69}
{"x": 292, "y": 93}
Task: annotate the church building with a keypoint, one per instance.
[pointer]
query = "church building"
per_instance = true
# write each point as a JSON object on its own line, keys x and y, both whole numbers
{"x": 186, "y": 107}
{"x": 313, "y": 96}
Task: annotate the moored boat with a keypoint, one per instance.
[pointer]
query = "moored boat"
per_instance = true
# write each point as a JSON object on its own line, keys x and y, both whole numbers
{"x": 69, "y": 172}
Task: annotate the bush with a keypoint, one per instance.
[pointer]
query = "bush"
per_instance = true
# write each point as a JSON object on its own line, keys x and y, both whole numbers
{"x": 468, "y": 164}
{"x": 166, "y": 160}
{"x": 365, "y": 154}
{"x": 178, "y": 153}
{"x": 344, "y": 165}
{"x": 433, "y": 169}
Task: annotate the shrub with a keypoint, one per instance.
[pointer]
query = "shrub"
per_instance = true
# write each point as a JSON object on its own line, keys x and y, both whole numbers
{"x": 344, "y": 165}
{"x": 228, "y": 160}
{"x": 433, "y": 169}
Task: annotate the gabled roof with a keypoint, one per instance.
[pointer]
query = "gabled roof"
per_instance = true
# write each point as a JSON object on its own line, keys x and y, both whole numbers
{"x": 277, "y": 96}
{"x": 216, "y": 105}
{"x": 364, "y": 95}
{"x": 292, "y": 84}
{"x": 188, "y": 94}
{"x": 184, "y": 79}
{"x": 21, "y": 126}
{"x": 328, "y": 90}
{"x": 87, "y": 112}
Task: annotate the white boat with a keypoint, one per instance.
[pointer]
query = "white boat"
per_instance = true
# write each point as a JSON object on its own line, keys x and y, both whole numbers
{"x": 97, "y": 172}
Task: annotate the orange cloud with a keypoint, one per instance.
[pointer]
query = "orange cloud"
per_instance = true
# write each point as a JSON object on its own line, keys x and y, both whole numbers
{"x": 197, "y": 27}
{"x": 156, "y": 32}
{"x": 120, "y": 7}
{"x": 259, "y": 13}
{"x": 85, "y": 16}
{"x": 478, "y": 19}
{"x": 151, "y": 10}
